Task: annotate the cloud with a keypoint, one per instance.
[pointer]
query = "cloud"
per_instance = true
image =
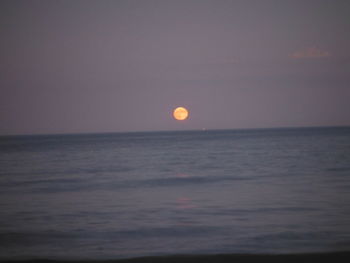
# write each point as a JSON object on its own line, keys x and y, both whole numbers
{"x": 311, "y": 52}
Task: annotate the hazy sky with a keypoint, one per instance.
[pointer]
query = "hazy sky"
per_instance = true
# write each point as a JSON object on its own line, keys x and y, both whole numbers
{"x": 105, "y": 66}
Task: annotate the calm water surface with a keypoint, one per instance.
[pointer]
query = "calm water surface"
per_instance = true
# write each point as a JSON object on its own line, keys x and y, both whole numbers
{"x": 133, "y": 194}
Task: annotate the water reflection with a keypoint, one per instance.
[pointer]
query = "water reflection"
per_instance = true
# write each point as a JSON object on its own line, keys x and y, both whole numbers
{"x": 184, "y": 206}
{"x": 182, "y": 175}
{"x": 184, "y": 203}
{"x": 184, "y": 212}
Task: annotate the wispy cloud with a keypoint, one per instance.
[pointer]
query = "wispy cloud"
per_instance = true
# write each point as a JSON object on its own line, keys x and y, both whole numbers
{"x": 311, "y": 52}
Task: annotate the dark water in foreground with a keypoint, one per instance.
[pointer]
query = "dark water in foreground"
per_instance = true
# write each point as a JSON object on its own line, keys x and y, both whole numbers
{"x": 126, "y": 195}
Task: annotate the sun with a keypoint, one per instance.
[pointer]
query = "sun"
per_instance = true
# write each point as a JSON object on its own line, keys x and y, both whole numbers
{"x": 180, "y": 113}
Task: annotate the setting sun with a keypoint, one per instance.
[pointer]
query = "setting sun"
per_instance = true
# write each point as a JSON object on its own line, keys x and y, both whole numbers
{"x": 180, "y": 113}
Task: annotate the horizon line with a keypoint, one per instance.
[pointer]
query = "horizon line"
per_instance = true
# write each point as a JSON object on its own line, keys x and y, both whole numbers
{"x": 159, "y": 131}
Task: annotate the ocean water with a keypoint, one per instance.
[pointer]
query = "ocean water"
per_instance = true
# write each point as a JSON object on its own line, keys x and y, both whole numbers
{"x": 103, "y": 196}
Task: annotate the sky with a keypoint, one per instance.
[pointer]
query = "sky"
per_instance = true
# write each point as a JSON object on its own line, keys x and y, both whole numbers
{"x": 116, "y": 66}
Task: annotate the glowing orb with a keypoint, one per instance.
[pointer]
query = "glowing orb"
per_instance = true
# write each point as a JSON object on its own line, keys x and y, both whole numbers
{"x": 180, "y": 113}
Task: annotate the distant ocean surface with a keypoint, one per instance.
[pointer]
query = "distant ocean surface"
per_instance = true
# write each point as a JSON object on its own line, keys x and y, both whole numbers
{"x": 107, "y": 196}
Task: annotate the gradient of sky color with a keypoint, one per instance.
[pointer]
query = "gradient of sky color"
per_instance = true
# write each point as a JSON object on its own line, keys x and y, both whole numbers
{"x": 110, "y": 66}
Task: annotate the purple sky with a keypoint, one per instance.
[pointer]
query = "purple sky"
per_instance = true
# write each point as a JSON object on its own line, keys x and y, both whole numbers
{"x": 105, "y": 66}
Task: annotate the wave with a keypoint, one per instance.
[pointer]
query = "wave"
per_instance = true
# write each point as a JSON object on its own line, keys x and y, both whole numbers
{"x": 312, "y": 257}
{"x": 339, "y": 169}
{"x": 89, "y": 184}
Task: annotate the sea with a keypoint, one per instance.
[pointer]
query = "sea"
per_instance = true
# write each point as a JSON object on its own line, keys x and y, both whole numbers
{"x": 124, "y": 195}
